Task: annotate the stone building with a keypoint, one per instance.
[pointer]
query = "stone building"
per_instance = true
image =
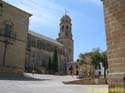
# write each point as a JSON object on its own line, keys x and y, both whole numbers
{"x": 41, "y": 48}
{"x": 83, "y": 69}
{"x": 21, "y": 48}
{"x": 114, "y": 11}
{"x": 100, "y": 71}
{"x": 13, "y": 38}
{"x": 74, "y": 66}
{"x": 86, "y": 69}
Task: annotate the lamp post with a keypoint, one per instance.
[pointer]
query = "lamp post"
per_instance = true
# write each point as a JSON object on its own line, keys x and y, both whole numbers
{"x": 6, "y": 43}
{"x": 8, "y": 37}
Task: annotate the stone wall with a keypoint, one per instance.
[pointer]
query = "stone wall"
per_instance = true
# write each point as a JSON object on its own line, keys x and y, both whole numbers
{"x": 114, "y": 11}
{"x": 13, "y": 45}
{"x": 41, "y": 50}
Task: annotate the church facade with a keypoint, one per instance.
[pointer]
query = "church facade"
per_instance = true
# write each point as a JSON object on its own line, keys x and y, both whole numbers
{"x": 40, "y": 49}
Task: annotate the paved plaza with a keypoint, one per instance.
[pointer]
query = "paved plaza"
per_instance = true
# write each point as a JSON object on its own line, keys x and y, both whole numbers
{"x": 43, "y": 84}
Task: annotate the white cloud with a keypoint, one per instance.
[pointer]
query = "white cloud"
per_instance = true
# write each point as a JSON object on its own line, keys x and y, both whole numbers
{"x": 97, "y": 2}
{"x": 45, "y": 12}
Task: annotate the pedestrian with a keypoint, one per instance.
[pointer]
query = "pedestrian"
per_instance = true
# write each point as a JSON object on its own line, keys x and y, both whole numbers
{"x": 71, "y": 70}
{"x": 33, "y": 72}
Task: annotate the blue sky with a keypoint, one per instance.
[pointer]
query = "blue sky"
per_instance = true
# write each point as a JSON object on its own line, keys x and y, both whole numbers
{"x": 87, "y": 20}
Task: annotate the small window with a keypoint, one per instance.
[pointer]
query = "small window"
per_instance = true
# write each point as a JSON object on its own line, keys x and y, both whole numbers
{"x": 33, "y": 43}
{"x": 1, "y": 5}
{"x": 39, "y": 44}
{"x": 99, "y": 73}
{"x": 1, "y": 9}
{"x": 8, "y": 29}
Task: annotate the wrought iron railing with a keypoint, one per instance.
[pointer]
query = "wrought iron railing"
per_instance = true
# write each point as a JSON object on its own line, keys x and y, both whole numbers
{"x": 11, "y": 35}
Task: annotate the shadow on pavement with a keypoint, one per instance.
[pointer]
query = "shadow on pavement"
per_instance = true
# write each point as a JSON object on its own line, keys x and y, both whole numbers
{"x": 21, "y": 78}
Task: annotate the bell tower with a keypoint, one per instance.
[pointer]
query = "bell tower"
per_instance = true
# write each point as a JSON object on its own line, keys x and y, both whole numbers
{"x": 65, "y": 36}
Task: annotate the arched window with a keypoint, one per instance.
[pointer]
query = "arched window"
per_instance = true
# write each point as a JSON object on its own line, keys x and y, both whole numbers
{"x": 67, "y": 27}
{"x": 62, "y": 27}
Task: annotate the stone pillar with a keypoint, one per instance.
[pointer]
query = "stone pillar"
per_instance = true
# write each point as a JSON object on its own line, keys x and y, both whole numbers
{"x": 114, "y": 11}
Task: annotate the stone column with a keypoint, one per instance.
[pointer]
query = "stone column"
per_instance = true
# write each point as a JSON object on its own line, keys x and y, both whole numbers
{"x": 114, "y": 11}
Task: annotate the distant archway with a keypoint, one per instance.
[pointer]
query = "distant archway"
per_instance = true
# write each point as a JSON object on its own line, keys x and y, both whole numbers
{"x": 77, "y": 72}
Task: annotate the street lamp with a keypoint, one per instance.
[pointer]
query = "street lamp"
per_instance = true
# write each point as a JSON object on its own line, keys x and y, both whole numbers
{"x": 6, "y": 43}
{"x": 8, "y": 35}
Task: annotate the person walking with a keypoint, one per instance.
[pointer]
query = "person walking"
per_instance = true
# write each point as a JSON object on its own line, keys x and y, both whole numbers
{"x": 71, "y": 70}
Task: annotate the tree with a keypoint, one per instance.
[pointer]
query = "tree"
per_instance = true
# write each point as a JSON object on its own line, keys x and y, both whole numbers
{"x": 95, "y": 55}
{"x": 81, "y": 58}
{"x": 55, "y": 61}
{"x": 96, "y": 58}
{"x": 50, "y": 65}
{"x": 100, "y": 57}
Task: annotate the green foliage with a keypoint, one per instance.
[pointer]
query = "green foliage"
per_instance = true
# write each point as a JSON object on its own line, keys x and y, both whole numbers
{"x": 55, "y": 61}
{"x": 96, "y": 58}
{"x": 49, "y": 65}
{"x": 81, "y": 58}
{"x": 104, "y": 59}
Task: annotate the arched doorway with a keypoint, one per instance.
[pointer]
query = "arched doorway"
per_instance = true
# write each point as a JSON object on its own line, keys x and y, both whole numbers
{"x": 77, "y": 72}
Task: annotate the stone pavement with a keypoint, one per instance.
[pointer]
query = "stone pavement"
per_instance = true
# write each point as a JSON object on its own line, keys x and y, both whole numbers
{"x": 44, "y": 84}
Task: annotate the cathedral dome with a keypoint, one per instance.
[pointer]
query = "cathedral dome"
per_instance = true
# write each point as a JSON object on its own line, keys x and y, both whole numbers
{"x": 65, "y": 18}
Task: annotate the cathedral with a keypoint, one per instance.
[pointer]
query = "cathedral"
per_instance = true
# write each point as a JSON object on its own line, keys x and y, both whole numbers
{"x": 23, "y": 50}
{"x": 40, "y": 48}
